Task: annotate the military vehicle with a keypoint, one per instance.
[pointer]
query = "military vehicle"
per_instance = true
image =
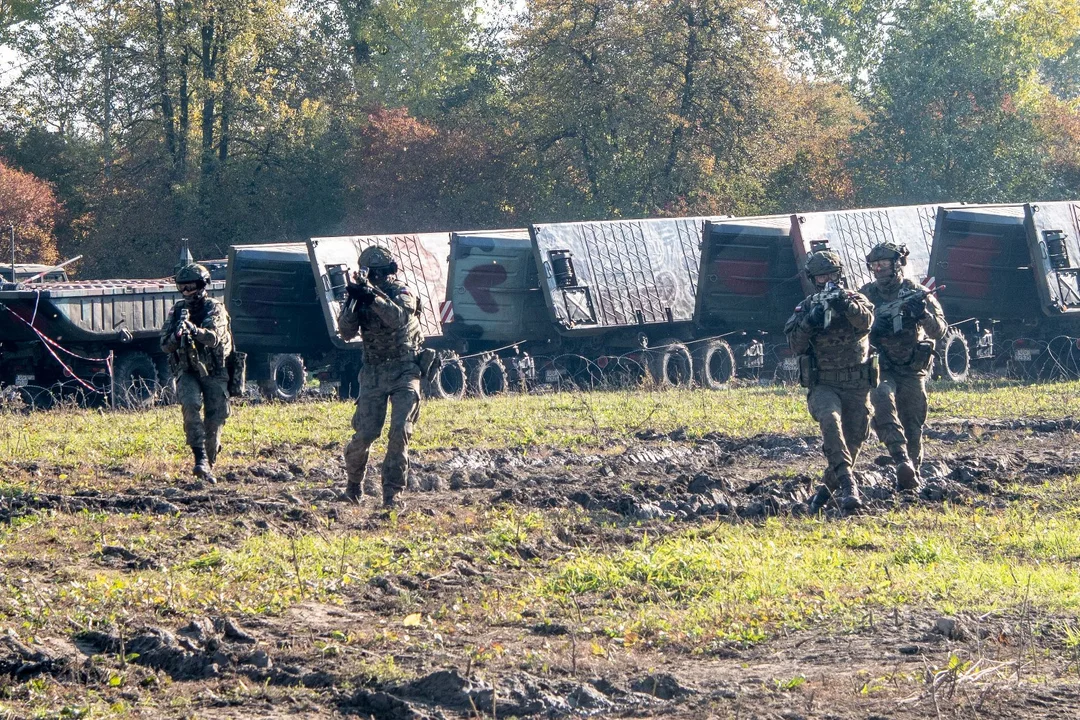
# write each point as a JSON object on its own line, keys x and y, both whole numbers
{"x": 33, "y": 272}
{"x": 1010, "y": 275}
{"x": 494, "y": 319}
{"x": 750, "y": 277}
{"x": 276, "y": 317}
{"x": 749, "y": 284}
{"x": 620, "y": 294}
{"x": 61, "y": 338}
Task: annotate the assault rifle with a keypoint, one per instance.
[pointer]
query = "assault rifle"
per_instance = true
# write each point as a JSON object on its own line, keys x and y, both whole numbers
{"x": 825, "y": 301}
{"x": 188, "y": 350}
{"x": 892, "y": 313}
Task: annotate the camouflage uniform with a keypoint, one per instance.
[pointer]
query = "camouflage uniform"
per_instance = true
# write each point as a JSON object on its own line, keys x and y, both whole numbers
{"x": 900, "y": 400}
{"x": 390, "y": 328}
{"x": 839, "y": 395}
{"x": 213, "y": 343}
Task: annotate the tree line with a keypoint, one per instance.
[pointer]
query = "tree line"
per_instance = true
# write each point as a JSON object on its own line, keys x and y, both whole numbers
{"x": 130, "y": 124}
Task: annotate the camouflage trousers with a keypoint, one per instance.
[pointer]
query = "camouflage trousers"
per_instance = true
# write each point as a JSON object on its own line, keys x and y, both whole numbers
{"x": 900, "y": 412}
{"x": 843, "y": 413}
{"x": 396, "y": 383}
{"x": 195, "y": 394}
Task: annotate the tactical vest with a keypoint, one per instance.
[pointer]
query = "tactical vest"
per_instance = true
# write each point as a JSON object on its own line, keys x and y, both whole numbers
{"x": 384, "y": 343}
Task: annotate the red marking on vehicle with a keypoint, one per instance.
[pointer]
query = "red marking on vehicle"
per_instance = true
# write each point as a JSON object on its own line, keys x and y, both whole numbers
{"x": 743, "y": 277}
{"x": 929, "y": 282}
{"x": 970, "y": 263}
{"x": 479, "y": 282}
{"x": 446, "y": 311}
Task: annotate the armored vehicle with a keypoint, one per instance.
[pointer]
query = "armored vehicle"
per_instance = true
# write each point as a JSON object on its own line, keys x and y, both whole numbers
{"x": 749, "y": 285}
{"x": 1010, "y": 275}
{"x": 494, "y": 319}
{"x": 33, "y": 272}
{"x": 276, "y": 317}
{"x": 61, "y": 338}
{"x": 620, "y": 294}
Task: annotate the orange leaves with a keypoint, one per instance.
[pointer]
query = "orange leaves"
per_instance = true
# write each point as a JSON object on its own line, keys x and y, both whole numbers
{"x": 29, "y": 204}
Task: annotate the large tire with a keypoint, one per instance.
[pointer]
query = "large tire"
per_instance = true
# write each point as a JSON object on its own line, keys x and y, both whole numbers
{"x": 714, "y": 364}
{"x": 285, "y": 378}
{"x": 952, "y": 361}
{"x": 135, "y": 380}
{"x": 487, "y": 377}
{"x": 448, "y": 381}
{"x": 670, "y": 364}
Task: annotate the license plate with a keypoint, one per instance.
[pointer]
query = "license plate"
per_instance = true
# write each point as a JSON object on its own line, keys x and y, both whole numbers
{"x": 23, "y": 380}
{"x": 1023, "y": 354}
{"x": 551, "y": 376}
{"x": 754, "y": 361}
{"x": 791, "y": 364}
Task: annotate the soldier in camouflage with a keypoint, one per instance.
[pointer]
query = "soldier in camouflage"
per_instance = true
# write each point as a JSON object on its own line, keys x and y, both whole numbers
{"x": 386, "y": 314}
{"x": 909, "y": 321}
{"x": 198, "y": 339}
{"x": 829, "y": 331}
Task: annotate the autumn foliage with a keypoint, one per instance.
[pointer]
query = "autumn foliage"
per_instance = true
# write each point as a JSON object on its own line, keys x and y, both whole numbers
{"x": 28, "y": 204}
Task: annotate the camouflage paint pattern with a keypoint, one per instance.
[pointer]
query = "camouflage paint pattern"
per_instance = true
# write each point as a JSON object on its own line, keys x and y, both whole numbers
{"x": 748, "y": 278}
{"x": 495, "y": 289}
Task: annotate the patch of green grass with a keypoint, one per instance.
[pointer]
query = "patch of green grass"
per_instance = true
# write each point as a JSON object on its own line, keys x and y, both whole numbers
{"x": 73, "y": 438}
{"x": 742, "y": 582}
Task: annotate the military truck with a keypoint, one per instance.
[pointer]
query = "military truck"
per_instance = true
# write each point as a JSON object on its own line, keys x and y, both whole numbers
{"x": 1010, "y": 275}
{"x": 276, "y": 317}
{"x": 621, "y": 296}
{"x": 96, "y": 340}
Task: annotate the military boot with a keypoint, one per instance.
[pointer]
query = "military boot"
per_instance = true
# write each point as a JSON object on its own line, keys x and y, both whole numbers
{"x": 847, "y": 494}
{"x": 211, "y": 454}
{"x": 202, "y": 465}
{"x": 907, "y": 478}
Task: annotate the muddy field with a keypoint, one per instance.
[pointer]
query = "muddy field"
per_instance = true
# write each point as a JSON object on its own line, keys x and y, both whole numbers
{"x": 318, "y": 658}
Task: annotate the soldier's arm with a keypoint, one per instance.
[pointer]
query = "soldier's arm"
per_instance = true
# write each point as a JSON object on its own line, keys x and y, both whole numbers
{"x": 798, "y": 334}
{"x": 934, "y": 324}
{"x": 395, "y": 311}
{"x": 169, "y": 341}
{"x": 859, "y": 311}
{"x": 348, "y": 322}
{"x": 214, "y": 327}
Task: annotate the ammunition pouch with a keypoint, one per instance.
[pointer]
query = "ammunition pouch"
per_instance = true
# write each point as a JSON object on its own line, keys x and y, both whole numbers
{"x": 807, "y": 371}
{"x": 236, "y": 364}
{"x": 426, "y": 360}
{"x": 922, "y": 356}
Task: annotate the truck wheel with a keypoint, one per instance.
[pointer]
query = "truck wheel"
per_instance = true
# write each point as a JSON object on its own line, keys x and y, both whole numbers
{"x": 714, "y": 364}
{"x": 285, "y": 378}
{"x": 487, "y": 377}
{"x": 135, "y": 380}
{"x": 670, "y": 364}
{"x": 449, "y": 380}
{"x": 951, "y": 361}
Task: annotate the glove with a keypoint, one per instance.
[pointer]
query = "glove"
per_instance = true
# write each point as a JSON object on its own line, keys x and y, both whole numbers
{"x": 916, "y": 308}
{"x": 816, "y": 317}
{"x": 186, "y": 328}
{"x": 882, "y": 326}
{"x": 361, "y": 293}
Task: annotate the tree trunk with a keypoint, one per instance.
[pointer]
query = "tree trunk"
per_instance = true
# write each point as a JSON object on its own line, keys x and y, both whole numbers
{"x": 226, "y": 100}
{"x": 209, "y": 74}
{"x": 168, "y": 120}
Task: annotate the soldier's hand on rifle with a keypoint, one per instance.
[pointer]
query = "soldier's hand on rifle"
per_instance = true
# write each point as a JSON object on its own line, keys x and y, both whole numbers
{"x": 916, "y": 307}
{"x": 883, "y": 325}
{"x": 360, "y": 290}
{"x": 815, "y": 318}
{"x": 185, "y": 327}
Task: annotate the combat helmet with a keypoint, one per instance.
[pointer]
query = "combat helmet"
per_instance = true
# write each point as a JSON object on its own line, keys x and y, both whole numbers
{"x": 823, "y": 262}
{"x": 888, "y": 251}
{"x": 193, "y": 273}
{"x": 377, "y": 258}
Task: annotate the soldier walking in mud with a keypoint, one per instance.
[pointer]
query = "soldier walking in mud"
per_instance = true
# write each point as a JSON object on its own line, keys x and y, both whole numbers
{"x": 198, "y": 341}
{"x": 386, "y": 314}
{"x": 908, "y": 322}
{"x": 830, "y": 333}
